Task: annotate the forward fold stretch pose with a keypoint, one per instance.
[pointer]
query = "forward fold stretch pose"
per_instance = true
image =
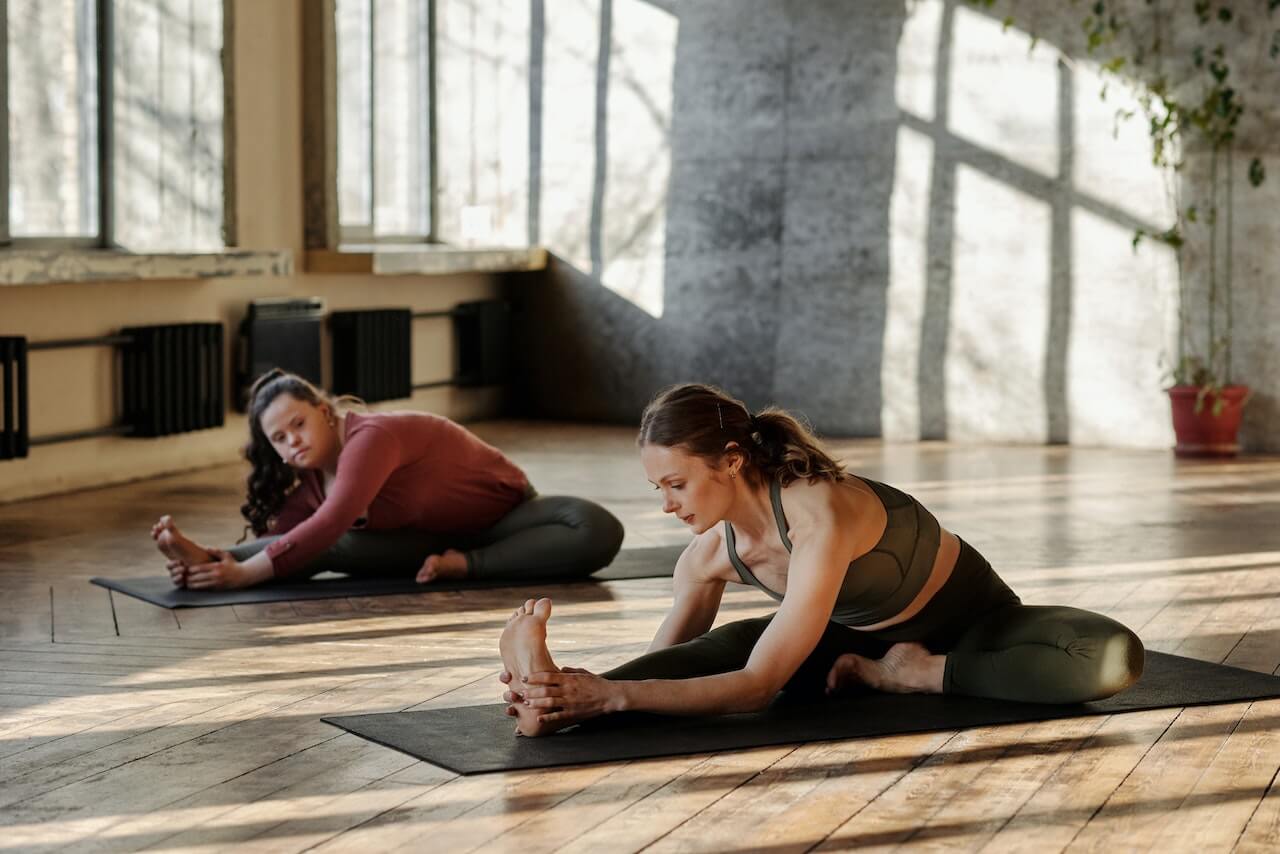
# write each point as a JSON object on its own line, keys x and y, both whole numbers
{"x": 872, "y": 591}
{"x": 404, "y": 494}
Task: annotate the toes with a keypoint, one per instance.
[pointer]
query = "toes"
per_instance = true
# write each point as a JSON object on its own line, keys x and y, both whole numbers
{"x": 542, "y": 609}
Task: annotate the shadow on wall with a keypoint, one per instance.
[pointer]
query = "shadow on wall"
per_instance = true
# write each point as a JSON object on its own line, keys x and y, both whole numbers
{"x": 738, "y": 209}
{"x": 899, "y": 223}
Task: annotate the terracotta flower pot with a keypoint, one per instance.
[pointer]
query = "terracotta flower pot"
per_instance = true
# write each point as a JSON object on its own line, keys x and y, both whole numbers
{"x": 1203, "y": 434}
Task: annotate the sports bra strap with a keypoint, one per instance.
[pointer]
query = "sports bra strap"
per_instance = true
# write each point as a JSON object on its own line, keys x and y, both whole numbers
{"x": 775, "y": 492}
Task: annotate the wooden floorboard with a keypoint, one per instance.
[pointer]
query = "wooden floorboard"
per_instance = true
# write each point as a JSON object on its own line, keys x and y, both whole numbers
{"x": 124, "y": 726}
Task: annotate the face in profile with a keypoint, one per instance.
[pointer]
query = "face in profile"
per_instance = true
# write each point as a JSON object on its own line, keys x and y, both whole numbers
{"x": 692, "y": 489}
{"x": 299, "y": 432}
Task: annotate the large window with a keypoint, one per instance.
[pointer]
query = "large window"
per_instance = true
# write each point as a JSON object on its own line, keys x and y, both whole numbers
{"x": 115, "y": 128}
{"x": 386, "y": 189}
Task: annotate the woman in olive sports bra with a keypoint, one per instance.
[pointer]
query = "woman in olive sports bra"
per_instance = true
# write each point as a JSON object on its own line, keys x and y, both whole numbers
{"x": 872, "y": 591}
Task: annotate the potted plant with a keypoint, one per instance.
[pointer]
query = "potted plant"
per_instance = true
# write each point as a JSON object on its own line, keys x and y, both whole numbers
{"x": 1185, "y": 91}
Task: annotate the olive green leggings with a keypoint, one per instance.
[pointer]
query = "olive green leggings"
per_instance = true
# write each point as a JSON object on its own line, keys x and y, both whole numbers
{"x": 546, "y": 537}
{"x": 995, "y": 646}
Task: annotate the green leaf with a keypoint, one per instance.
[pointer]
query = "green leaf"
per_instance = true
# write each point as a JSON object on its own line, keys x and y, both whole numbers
{"x": 1114, "y": 65}
{"x": 1224, "y": 14}
{"x": 1257, "y": 172}
{"x": 1191, "y": 213}
{"x": 1137, "y": 238}
{"x": 1224, "y": 105}
{"x": 1006, "y": 24}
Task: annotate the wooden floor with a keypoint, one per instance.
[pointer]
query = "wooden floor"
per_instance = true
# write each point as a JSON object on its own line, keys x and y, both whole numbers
{"x": 124, "y": 726}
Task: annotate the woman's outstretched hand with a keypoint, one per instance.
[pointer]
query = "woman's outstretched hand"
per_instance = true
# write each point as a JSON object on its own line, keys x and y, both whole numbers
{"x": 511, "y": 696}
{"x": 222, "y": 573}
{"x": 177, "y": 572}
{"x": 568, "y": 695}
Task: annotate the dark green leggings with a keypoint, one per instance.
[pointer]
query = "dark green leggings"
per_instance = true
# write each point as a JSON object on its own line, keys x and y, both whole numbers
{"x": 995, "y": 646}
{"x": 546, "y": 537}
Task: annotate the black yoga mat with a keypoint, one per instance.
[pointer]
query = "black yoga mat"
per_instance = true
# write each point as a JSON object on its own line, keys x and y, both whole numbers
{"x": 159, "y": 590}
{"x": 475, "y": 739}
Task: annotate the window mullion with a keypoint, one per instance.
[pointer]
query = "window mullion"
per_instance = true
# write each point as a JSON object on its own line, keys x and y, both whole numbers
{"x": 373, "y": 123}
{"x": 432, "y": 188}
{"x": 5, "y": 238}
{"x": 106, "y": 125}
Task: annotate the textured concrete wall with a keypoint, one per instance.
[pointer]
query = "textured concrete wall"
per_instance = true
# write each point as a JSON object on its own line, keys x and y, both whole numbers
{"x": 901, "y": 219}
{"x": 744, "y": 243}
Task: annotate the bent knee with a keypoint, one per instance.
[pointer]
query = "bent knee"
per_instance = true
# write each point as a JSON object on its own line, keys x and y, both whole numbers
{"x": 1120, "y": 662}
{"x": 602, "y": 531}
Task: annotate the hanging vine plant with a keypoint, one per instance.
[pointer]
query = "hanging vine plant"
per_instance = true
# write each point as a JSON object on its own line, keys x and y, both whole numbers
{"x": 1188, "y": 97}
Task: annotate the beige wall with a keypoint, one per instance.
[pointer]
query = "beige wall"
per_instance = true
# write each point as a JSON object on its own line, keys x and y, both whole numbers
{"x": 73, "y": 389}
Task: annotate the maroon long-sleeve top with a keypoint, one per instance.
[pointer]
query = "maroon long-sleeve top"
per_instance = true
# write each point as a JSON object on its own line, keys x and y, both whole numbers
{"x": 397, "y": 470}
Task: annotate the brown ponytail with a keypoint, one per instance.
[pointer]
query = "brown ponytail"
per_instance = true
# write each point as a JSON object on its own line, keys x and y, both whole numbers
{"x": 703, "y": 419}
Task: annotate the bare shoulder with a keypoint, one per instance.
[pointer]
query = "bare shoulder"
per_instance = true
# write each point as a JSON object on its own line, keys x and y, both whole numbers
{"x": 848, "y": 506}
{"x": 705, "y": 559}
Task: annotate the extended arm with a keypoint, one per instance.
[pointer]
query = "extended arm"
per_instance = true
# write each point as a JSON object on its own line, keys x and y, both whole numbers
{"x": 816, "y": 573}
{"x": 363, "y": 467}
{"x": 366, "y": 461}
{"x": 696, "y": 596}
{"x": 814, "y": 579}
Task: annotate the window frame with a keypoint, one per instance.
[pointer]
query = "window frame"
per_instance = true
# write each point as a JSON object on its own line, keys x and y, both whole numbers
{"x": 104, "y": 35}
{"x": 104, "y": 12}
{"x": 320, "y": 76}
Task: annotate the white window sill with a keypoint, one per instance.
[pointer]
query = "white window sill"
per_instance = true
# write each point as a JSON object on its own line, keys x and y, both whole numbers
{"x": 411, "y": 259}
{"x": 49, "y": 266}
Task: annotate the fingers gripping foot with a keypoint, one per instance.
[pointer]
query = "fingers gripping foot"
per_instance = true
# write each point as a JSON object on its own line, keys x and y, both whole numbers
{"x": 524, "y": 651}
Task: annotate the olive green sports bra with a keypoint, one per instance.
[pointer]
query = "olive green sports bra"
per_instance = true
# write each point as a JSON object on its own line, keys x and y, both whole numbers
{"x": 882, "y": 582}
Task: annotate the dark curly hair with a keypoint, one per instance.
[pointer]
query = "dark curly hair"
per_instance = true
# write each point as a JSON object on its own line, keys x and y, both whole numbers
{"x": 701, "y": 418}
{"x": 271, "y": 479}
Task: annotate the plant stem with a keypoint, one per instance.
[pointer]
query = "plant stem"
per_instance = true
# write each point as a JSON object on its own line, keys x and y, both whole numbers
{"x": 1213, "y": 257}
{"x": 1226, "y": 271}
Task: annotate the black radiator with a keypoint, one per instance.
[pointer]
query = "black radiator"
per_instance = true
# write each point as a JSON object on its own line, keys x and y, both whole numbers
{"x": 172, "y": 380}
{"x": 279, "y": 333}
{"x": 481, "y": 331}
{"x": 13, "y": 385}
{"x": 372, "y": 353}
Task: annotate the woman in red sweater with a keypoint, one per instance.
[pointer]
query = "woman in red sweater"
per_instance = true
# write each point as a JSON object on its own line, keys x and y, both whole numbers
{"x": 390, "y": 494}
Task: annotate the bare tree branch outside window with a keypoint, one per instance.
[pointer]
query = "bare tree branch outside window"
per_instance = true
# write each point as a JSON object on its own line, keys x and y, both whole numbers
{"x": 384, "y": 109}
{"x": 166, "y": 141}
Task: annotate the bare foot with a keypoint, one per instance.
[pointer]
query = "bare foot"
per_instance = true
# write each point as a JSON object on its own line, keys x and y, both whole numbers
{"x": 450, "y": 564}
{"x": 524, "y": 651}
{"x": 905, "y": 669}
{"x": 175, "y": 545}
